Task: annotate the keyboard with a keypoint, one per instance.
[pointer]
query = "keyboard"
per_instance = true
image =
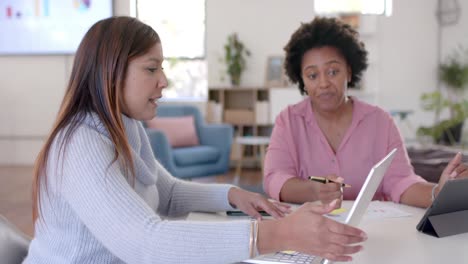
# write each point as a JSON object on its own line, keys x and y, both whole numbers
{"x": 283, "y": 257}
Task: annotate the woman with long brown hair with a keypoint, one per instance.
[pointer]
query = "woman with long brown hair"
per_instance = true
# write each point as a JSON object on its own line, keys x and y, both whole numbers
{"x": 100, "y": 196}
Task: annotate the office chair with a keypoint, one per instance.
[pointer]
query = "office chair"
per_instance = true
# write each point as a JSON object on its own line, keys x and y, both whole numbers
{"x": 13, "y": 243}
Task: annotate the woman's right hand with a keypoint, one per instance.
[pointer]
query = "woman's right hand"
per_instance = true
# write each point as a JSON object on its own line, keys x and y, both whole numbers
{"x": 455, "y": 169}
{"x": 298, "y": 190}
{"x": 306, "y": 230}
{"x": 328, "y": 192}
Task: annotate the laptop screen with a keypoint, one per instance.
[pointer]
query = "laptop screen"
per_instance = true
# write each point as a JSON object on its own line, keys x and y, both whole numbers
{"x": 368, "y": 190}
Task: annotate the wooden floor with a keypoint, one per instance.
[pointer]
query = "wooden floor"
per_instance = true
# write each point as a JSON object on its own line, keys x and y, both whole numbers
{"x": 15, "y": 191}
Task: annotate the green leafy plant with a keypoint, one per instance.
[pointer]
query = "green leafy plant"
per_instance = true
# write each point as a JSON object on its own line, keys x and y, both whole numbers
{"x": 436, "y": 102}
{"x": 454, "y": 74}
{"x": 235, "y": 54}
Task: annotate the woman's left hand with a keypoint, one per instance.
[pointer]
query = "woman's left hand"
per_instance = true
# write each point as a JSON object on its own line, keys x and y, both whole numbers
{"x": 454, "y": 170}
{"x": 250, "y": 203}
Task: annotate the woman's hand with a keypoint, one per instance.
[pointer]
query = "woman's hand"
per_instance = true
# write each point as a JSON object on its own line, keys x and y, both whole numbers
{"x": 328, "y": 192}
{"x": 307, "y": 230}
{"x": 250, "y": 203}
{"x": 454, "y": 170}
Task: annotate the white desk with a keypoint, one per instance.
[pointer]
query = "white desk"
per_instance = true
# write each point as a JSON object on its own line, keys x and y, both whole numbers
{"x": 394, "y": 240}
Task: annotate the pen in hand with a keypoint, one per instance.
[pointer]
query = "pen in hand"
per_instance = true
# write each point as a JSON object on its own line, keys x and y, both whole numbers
{"x": 326, "y": 180}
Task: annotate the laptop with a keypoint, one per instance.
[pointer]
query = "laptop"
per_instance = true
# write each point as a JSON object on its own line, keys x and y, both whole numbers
{"x": 354, "y": 217}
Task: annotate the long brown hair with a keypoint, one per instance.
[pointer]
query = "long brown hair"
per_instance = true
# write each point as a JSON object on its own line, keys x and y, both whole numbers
{"x": 95, "y": 86}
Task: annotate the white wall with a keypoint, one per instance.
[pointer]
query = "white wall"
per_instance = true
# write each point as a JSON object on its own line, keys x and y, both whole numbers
{"x": 408, "y": 57}
{"x": 263, "y": 25}
{"x": 31, "y": 87}
{"x": 455, "y": 35}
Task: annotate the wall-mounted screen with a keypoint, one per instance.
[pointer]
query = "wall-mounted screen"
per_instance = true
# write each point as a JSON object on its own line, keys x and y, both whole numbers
{"x": 47, "y": 26}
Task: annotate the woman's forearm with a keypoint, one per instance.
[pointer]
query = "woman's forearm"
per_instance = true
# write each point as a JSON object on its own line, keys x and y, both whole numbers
{"x": 296, "y": 190}
{"x": 418, "y": 194}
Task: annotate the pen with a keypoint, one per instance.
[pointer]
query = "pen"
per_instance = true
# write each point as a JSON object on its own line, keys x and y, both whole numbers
{"x": 326, "y": 180}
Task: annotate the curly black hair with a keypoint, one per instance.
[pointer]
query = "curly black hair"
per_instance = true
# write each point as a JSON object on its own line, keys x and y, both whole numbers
{"x": 323, "y": 32}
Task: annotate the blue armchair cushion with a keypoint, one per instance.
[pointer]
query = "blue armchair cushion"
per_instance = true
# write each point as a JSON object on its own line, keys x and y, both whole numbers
{"x": 211, "y": 157}
{"x": 179, "y": 130}
{"x": 195, "y": 155}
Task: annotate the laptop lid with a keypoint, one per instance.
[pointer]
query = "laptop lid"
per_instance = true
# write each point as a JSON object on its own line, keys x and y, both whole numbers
{"x": 373, "y": 180}
{"x": 357, "y": 211}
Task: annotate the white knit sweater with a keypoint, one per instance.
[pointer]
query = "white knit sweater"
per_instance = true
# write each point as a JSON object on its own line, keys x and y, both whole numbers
{"x": 92, "y": 214}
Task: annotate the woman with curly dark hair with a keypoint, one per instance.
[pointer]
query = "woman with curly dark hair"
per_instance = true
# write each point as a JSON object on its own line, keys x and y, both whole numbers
{"x": 336, "y": 136}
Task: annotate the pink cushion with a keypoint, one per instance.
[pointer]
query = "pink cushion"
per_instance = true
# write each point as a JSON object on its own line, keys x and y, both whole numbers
{"x": 179, "y": 130}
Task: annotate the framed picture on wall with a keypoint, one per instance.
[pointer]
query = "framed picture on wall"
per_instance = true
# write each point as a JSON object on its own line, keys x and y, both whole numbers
{"x": 275, "y": 75}
{"x": 351, "y": 19}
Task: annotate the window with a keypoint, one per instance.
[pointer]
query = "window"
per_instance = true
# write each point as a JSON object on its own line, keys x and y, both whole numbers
{"x": 182, "y": 33}
{"x": 366, "y": 7}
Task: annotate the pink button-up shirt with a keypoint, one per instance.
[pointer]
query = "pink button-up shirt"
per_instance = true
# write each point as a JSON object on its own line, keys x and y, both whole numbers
{"x": 298, "y": 148}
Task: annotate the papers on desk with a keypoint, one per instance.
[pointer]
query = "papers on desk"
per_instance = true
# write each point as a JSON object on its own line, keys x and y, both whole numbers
{"x": 376, "y": 210}
{"x": 379, "y": 210}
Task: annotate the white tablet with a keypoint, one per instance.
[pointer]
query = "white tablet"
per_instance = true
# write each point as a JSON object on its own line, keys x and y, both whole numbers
{"x": 368, "y": 190}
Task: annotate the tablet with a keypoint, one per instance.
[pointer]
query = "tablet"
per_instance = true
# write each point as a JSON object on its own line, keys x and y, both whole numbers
{"x": 368, "y": 190}
{"x": 448, "y": 214}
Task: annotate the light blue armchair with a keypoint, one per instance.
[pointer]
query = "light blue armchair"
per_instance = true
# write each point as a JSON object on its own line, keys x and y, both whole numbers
{"x": 211, "y": 157}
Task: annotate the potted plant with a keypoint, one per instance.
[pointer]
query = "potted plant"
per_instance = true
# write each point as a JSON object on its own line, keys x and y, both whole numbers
{"x": 447, "y": 131}
{"x": 235, "y": 53}
{"x": 454, "y": 74}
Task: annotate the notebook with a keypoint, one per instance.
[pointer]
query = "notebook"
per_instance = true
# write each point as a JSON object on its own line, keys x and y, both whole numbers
{"x": 354, "y": 217}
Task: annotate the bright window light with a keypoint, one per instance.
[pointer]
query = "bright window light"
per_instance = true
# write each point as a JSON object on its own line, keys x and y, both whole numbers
{"x": 179, "y": 23}
{"x": 365, "y": 7}
{"x": 181, "y": 26}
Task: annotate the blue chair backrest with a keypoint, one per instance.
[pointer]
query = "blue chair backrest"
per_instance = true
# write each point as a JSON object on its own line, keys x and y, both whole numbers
{"x": 181, "y": 110}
